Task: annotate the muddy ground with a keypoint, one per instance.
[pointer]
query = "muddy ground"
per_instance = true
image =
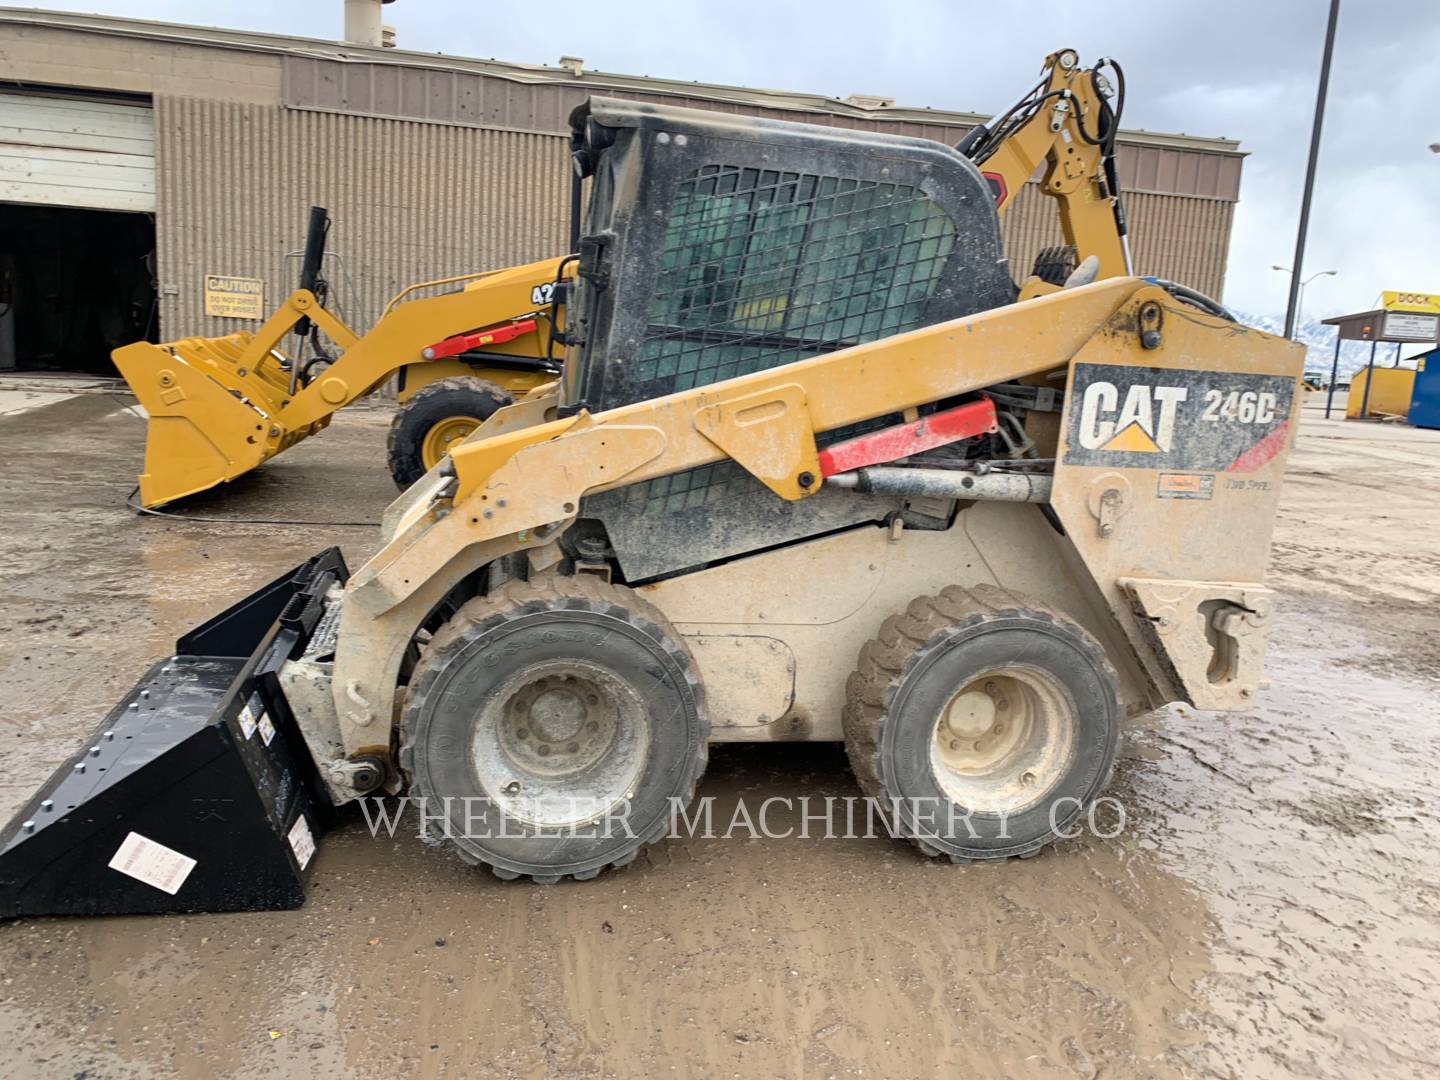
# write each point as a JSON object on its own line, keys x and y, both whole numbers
{"x": 1271, "y": 907}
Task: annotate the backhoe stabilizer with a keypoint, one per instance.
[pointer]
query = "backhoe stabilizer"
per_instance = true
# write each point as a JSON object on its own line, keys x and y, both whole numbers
{"x": 196, "y": 792}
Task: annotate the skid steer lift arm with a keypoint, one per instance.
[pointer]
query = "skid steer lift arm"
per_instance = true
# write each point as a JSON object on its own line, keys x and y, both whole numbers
{"x": 1067, "y": 123}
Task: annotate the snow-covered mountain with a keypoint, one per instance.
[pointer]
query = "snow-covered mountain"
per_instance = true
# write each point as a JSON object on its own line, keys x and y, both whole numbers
{"x": 1319, "y": 340}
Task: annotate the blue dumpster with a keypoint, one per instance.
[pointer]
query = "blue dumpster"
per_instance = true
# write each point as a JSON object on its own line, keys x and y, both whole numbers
{"x": 1425, "y": 399}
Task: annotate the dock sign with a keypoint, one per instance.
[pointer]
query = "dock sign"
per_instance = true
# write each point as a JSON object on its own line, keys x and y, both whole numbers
{"x": 234, "y": 297}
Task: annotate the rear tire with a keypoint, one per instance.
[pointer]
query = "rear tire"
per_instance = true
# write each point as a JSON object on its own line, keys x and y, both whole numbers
{"x": 992, "y": 720}
{"x": 1055, "y": 264}
{"x": 435, "y": 416}
{"x": 563, "y": 718}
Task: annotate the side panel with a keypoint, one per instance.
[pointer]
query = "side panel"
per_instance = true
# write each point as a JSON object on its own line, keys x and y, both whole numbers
{"x": 815, "y": 604}
{"x": 1168, "y": 480}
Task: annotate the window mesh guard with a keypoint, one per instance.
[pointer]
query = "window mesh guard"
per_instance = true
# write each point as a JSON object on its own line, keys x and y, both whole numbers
{"x": 761, "y": 268}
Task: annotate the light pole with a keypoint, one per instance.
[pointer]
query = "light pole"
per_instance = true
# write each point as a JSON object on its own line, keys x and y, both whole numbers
{"x": 1299, "y": 260}
{"x": 1300, "y": 299}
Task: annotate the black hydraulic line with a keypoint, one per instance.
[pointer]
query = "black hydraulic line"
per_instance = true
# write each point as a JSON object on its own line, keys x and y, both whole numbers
{"x": 1194, "y": 298}
{"x": 1297, "y": 265}
{"x": 315, "y": 235}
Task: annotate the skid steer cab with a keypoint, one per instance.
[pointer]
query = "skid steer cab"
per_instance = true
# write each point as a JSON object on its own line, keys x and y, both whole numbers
{"x": 817, "y": 469}
{"x": 219, "y": 407}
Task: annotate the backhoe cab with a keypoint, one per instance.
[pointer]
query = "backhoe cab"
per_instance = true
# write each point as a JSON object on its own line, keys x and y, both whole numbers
{"x": 817, "y": 469}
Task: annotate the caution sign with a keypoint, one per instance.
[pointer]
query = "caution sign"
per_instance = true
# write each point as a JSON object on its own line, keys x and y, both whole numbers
{"x": 234, "y": 297}
{"x": 1160, "y": 418}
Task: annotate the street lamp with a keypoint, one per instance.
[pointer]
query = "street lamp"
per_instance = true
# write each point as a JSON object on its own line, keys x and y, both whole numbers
{"x": 1300, "y": 302}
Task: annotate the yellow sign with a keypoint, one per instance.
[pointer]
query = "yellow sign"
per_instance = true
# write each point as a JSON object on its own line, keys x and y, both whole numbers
{"x": 234, "y": 297}
{"x": 1428, "y": 303}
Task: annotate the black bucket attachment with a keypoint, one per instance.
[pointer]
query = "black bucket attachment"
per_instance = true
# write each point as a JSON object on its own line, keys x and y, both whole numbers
{"x": 197, "y": 793}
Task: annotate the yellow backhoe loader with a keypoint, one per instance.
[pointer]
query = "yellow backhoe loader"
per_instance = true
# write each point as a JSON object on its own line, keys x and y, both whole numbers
{"x": 817, "y": 469}
{"x": 220, "y": 407}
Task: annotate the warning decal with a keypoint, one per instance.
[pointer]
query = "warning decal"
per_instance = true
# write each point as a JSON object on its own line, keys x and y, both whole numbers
{"x": 302, "y": 841}
{"x": 1172, "y": 485}
{"x": 1161, "y": 418}
{"x": 248, "y": 714}
{"x": 155, "y": 864}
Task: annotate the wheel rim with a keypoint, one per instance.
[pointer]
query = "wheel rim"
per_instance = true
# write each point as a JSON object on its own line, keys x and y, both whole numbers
{"x": 442, "y": 434}
{"x": 561, "y": 744}
{"x": 1003, "y": 740}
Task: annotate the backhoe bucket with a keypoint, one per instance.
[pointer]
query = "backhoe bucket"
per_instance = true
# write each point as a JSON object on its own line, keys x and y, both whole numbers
{"x": 211, "y": 418}
{"x": 197, "y": 792}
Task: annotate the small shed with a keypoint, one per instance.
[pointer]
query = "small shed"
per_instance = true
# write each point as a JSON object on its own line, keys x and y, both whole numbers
{"x": 1388, "y": 390}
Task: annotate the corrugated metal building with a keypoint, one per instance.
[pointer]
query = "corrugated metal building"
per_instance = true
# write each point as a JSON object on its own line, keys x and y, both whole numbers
{"x": 141, "y": 156}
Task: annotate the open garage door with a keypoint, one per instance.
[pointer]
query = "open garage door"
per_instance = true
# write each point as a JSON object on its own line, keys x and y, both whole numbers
{"x": 60, "y": 149}
{"x": 77, "y": 229}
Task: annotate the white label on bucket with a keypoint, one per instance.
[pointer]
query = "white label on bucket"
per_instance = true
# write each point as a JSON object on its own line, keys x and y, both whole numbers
{"x": 267, "y": 729}
{"x": 155, "y": 864}
{"x": 302, "y": 841}
{"x": 247, "y": 721}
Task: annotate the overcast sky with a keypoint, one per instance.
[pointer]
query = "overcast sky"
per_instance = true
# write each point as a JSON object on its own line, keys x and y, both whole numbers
{"x": 1245, "y": 69}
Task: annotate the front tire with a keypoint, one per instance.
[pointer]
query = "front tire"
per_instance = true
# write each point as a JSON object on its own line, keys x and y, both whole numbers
{"x": 432, "y": 419}
{"x": 985, "y": 723}
{"x": 553, "y": 726}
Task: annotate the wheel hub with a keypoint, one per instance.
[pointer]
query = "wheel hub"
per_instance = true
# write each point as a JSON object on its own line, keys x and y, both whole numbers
{"x": 1003, "y": 740}
{"x": 561, "y": 743}
{"x": 442, "y": 434}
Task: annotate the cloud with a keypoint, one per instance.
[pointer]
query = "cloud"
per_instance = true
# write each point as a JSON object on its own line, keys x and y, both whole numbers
{"x": 1245, "y": 69}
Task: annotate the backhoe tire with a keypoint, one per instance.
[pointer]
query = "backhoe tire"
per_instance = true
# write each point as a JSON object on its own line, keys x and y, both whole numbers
{"x": 552, "y": 727}
{"x": 433, "y": 417}
{"x": 1055, "y": 264}
{"x": 983, "y": 722}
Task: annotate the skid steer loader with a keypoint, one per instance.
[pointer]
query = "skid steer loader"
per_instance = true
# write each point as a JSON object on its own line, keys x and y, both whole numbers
{"x": 816, "y": 470}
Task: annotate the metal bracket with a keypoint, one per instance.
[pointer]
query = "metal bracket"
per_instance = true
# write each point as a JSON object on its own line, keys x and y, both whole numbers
{"x": 769, "y": 434}
{"x": 1212, "y": 634}
{"x": 1109, "y": 499}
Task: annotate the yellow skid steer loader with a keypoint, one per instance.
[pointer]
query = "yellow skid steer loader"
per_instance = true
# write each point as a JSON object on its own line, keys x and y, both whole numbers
{"x": 817, "y": 469}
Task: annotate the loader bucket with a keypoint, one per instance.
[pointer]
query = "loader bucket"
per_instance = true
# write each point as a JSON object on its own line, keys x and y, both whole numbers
{"x": 196, "y": 793}
{"x": 211, "y": 419}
